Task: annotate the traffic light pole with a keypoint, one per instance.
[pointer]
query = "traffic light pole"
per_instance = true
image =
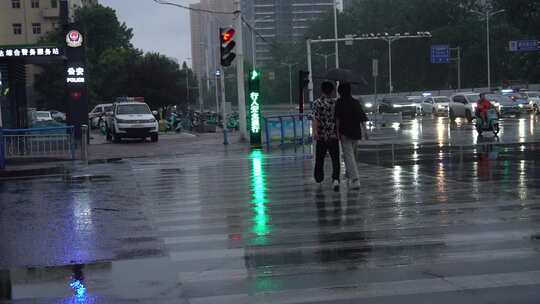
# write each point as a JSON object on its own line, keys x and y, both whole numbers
{"x": 240, "y": 78}
{"x": 223, "y": 107}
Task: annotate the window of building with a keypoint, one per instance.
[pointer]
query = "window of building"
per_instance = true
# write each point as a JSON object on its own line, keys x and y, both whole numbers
{"x": 54, "y": 3}
{"x": 36, "y": 28}
{"x": 17, "y": 29}
{"x": 16, "y": 3}
{"x": 35, "y": 3}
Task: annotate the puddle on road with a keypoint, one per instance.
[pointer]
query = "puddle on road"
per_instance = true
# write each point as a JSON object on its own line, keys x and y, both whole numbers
{"x": 86, "y": 178}
{"x": 126, "y": 280}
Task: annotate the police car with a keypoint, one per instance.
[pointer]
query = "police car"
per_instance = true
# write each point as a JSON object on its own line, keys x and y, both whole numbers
{"x": 132, "y": 118}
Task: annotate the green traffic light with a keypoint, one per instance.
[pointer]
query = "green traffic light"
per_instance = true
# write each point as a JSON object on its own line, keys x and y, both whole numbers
{"x": 255, "y": 74}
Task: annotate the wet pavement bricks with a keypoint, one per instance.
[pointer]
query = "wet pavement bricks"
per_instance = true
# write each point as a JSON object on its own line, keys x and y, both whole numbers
{"x": 217, "y": 226}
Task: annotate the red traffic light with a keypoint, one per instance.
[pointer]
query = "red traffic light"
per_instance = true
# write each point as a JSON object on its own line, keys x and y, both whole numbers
{"x": 227, "y": 35}
{"x": 75, "y": 95}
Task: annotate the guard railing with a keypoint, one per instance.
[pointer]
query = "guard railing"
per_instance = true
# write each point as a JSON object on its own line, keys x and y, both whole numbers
{"x": 58, "y": 142}
{"x": 287, "y": 129}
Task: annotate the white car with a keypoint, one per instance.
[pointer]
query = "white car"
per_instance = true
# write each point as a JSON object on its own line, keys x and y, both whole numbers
{"x": 440, "y": 104}
{"x": 132, "y": 120}
{"x": 533, "y": 98}
{"x": 96, "y": 116}
{"x": 463, "y": 105}
{"x": 423, "y": 106}
{"x": 58, "y": 116}
{"x": 43, "y": 116}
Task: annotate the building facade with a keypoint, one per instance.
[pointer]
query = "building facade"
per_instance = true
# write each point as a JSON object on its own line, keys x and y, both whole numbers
{"x": 283, "y": 21}
{"x": 26, "y": 21}
{"x": 205, "y": 48}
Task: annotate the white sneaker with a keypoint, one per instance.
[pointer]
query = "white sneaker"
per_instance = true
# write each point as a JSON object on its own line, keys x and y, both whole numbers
{"x": 355, "y": 185}
{"x": 335, "y": 185}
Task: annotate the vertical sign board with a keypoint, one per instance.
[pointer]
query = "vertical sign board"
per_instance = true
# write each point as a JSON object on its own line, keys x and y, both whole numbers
{"x": 254, "y": 106}
{"x": 440, "y": 54}
{"x": 76, "y": 81}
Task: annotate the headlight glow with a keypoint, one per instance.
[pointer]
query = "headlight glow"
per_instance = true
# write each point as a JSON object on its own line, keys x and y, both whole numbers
{"x": 521, "y": 106}
{"x": 369, "y": 105}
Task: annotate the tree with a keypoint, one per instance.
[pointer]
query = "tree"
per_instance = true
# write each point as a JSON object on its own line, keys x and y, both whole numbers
{"x": 115, "y": 68}
{"x": 160, "y": 80}
{"x": 450, "y": 22}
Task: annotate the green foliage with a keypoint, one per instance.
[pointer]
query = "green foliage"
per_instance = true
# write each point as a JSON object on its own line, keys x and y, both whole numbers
{"x": 450, "y": 22}
{"x": 115, "y": 67}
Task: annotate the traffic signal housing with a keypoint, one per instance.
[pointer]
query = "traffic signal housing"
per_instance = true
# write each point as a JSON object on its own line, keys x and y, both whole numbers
{"x": 226, "y": 36}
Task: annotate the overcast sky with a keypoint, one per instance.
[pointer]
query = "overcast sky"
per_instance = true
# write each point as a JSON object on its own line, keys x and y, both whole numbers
{"x": 157, "y": 28}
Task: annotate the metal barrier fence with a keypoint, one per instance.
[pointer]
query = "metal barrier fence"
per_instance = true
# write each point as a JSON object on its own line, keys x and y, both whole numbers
{"x": 37, "y": 143}
{"x": 292, "y": 128}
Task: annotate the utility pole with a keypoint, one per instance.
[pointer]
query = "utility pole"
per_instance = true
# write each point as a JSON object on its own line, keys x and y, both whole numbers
{"x": 458, "y": 60}
{"x": 290, "y": 66}
{"x": 488, "y": 14}
{"x": 310, "y": 70}
{"x": 223, "y": 108}
{"x": 336, "y": 33}
{"x": 240, "y": 73}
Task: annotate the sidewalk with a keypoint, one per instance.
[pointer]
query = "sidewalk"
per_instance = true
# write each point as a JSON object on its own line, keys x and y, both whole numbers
{"x": 100, "y": 150}
{"x": 170, "y": 144}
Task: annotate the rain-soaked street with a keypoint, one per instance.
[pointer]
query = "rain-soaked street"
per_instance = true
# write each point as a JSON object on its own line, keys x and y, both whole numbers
{"x": 438, "y": 219}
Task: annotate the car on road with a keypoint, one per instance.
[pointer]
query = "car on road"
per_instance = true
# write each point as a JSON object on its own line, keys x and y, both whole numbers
{"x": 440, "y": 104}
{"x": 131, "y": 120}
{"x": 43, "y": 116}
{"x": 505, "y": 105}
{"x": 463, "y": 105}
{"x": 518, "y": 98}
{"x": 98, "y": 113}
{"x": 425, "y": 106}
{"x": 397, "y": 104}
{"x": 533, "y": 98}
{"x": 58, "y": 116}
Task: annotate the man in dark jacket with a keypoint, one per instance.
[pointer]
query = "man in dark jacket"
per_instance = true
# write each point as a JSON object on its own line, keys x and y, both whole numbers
{"x": 351, "y": 125}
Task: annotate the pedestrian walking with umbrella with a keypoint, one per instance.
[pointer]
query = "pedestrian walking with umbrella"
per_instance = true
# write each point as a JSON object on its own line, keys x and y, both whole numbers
{"x": 350, "y": 122}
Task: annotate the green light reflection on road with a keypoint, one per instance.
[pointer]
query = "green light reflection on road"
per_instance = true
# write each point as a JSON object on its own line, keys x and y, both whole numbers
{"x": 258, "y": 186}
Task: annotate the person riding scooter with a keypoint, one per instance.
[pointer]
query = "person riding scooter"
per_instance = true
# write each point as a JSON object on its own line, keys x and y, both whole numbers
{"x": 482, "y": 107}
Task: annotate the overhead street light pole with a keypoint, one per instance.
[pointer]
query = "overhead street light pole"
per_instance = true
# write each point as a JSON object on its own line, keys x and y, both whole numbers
{"x": 488, "y": 14}
{"x": 326, "y": 56}
{"x": 386, "y": 37}
{"x": 290, "y": 66}
{"x": 336, "y": 33}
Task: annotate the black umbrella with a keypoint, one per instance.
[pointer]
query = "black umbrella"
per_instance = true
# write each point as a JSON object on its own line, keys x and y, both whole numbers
{"x": 345, "y": 75}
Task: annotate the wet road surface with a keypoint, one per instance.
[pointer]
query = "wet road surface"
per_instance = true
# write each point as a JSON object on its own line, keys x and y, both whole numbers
{"x": 429, "y": 227}
{"x": 438, "y": 130}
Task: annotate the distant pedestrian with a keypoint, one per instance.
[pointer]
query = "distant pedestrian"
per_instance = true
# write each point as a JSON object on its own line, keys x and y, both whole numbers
{"x": 351, "y": 127}
{"x": 325, "y": 134}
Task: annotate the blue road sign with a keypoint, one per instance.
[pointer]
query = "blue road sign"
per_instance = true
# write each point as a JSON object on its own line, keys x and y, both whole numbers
{"x": 440, "y": 54}
{"x": 524, "y": 45}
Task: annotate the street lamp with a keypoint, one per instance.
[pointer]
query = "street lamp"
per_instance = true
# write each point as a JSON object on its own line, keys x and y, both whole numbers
{"x": 390, "y": 39}
{"x": 363, "y": 37}
{"x": 336, "y": 33}
{"x": 326, "y": 56}
{"x": 290, "y": 66}
{"x": 488, "y": 14}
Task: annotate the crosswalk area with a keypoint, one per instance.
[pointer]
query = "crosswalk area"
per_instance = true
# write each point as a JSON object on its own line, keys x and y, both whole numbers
{"x": 257, "y": 229}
